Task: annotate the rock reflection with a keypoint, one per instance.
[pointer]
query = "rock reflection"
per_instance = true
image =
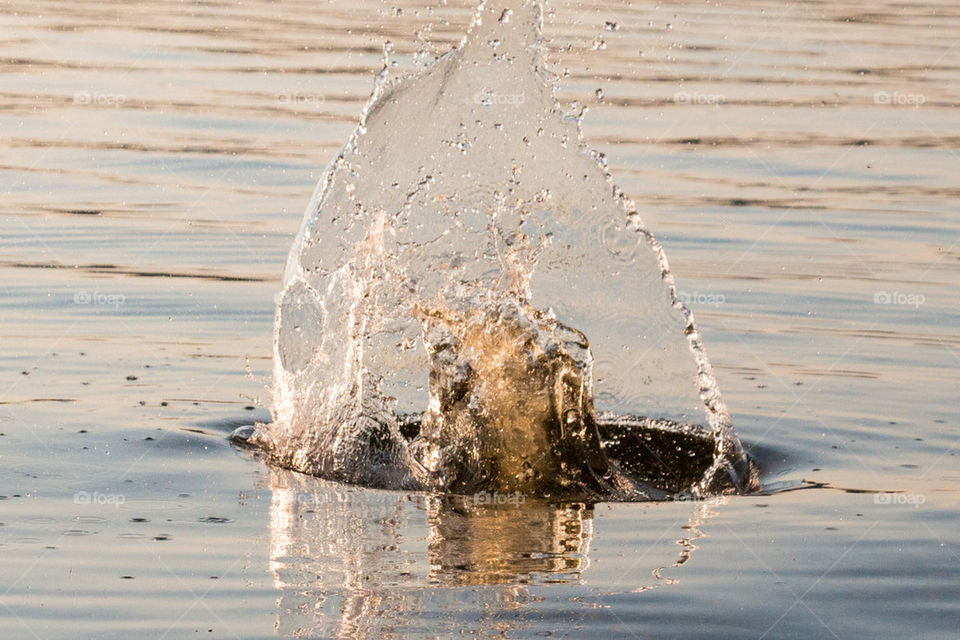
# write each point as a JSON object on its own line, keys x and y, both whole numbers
{"x": 357, "y": 563}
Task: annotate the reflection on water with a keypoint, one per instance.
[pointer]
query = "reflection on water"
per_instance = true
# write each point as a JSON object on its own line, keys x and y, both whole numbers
{"x": 499, "y": 544}
{"x": 336, "y": 560}
{"x": 357, "y": 563}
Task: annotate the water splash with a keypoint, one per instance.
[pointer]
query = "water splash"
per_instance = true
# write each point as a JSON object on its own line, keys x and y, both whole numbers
{"x": 471, "y": 303}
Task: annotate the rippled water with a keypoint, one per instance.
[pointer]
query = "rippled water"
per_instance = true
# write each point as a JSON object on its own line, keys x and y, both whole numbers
{"x": 797, "y": 162}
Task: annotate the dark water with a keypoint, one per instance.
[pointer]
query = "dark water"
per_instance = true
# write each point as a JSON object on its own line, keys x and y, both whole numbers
{"x": 797, "y": 162}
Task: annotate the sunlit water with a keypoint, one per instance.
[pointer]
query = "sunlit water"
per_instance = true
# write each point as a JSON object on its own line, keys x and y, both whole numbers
{"x": 797, "y": 163}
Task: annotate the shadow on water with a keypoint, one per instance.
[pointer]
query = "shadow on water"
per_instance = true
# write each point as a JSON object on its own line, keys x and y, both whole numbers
{"x": 660, "y": 454}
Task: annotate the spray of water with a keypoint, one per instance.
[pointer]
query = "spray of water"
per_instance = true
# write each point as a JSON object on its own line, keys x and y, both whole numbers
{"x": 472, "y": 304}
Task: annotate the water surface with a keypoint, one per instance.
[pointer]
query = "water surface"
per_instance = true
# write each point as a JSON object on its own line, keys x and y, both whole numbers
{"x": 797, "y": 162}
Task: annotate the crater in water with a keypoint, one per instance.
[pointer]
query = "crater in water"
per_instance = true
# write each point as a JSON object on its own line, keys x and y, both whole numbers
{"x": 471, "y": 304}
